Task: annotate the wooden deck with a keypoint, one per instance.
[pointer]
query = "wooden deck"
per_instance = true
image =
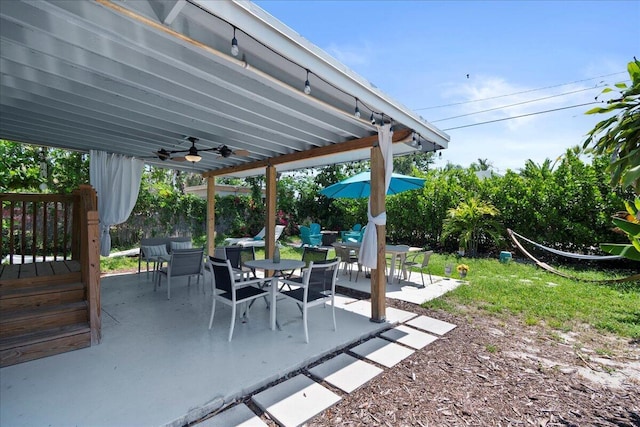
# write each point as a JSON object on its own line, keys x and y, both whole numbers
{"x": 50, "y": 270}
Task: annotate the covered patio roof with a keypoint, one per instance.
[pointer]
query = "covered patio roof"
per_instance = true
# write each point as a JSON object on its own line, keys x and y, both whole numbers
{"x": 134, "y": 77}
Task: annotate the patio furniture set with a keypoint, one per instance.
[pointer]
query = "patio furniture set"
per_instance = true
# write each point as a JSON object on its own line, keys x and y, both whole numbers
{"x": 233, "y": 271}
{"x": 234, "y": 281}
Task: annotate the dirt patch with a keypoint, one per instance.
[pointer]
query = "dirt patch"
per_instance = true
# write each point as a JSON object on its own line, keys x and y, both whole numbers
{"x": 499, "y": 372}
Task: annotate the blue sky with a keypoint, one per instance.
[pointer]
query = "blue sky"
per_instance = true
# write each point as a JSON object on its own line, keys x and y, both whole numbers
{"x": 515, "y": 52}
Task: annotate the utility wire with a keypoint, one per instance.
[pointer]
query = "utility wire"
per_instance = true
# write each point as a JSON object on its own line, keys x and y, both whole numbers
{"x": 516, "y": 104}
{"x": 520, "y": 116}
{"x": 517, "y": 93}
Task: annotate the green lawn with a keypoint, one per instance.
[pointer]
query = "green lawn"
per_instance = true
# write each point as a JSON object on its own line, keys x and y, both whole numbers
{"x": 531, "y": 293}
{"x": 538, "y": 296}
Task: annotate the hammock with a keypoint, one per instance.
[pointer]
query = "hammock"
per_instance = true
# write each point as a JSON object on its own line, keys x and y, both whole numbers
{"x": 568, "y": 254}
{"x": 550, "y": 269}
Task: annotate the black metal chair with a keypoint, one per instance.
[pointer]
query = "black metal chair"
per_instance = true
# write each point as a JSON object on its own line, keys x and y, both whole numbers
{"x": 306, "y": 295}
{"x": 231, "y": 292}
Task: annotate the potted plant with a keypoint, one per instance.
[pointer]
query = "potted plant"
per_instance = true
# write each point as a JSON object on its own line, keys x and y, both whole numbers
{"x": 463, "y": 269}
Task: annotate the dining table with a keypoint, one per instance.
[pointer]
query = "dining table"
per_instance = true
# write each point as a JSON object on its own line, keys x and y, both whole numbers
{"x": 277, "y": 267}
{"x": 396, "y": 252}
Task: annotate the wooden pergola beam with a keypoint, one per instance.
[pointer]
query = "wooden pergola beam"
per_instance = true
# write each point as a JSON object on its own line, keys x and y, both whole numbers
{"x": 328, "y": 150}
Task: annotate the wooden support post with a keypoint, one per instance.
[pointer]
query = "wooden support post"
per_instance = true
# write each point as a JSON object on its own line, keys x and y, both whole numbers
{"x": 211, "y": 215}
{"x": 378, "y": 276}
{"x": 270, "y": 217}
{"x": 93, "y": 278}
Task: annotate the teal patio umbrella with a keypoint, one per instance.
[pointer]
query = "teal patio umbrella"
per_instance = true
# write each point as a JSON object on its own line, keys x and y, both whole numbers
{"x": 359, "y": 186}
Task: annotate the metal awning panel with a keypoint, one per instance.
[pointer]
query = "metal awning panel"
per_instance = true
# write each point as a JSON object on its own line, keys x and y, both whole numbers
{"x": 112, "y": 76}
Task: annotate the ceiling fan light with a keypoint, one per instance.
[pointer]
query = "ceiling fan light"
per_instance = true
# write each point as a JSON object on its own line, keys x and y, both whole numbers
{"x": 193, "y": 156}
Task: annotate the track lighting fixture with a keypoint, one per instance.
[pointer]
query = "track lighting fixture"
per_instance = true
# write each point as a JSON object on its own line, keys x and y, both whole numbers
{"x": 307, "y": 85}
{"x": 357, "y": 111}
{"x": 234, "y": 44}
{"x": 414, "y": 141}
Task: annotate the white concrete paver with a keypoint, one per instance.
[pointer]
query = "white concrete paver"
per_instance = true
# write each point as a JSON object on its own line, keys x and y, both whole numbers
{"x": 238, "y": 416}
{"x": 295, "y": 401}
{"x": 382, "y": 351}
{"x": 409, "y": 336}
{"x": 432, "y": 325}
{"x": 345, "y": 372}
{"x": 395, "y": 315}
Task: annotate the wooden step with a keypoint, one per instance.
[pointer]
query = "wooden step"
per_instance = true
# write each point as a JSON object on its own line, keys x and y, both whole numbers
{"x": 40, "y": 296}
{"x": 44, "y": 343}
{"x": 20, "y": 322}
{"x": 29, "y": 275}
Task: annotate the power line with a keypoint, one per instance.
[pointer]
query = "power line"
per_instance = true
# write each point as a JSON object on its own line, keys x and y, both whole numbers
{"x": 516, "y": 104}
{"x": 517, "y": 93}
{"x": 520, "y": 116}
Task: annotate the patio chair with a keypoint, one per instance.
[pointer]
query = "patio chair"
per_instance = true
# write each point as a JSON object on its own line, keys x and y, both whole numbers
{"x": 348, "y": 257}
{"x": 355, "y": 228}
{"x": 183, "y": 262}
{"x": 354, "y": 236}
{"x": 412, "y": 261}
{"x": 256, "y": 241}
{"x": 152, "y": 254}
{"x": 231, "y": 292}
{"x": 307, "y": 296}
{"x": 315, "y": 228}
{"x": 238, "y": 255}
{"x": 308, "y": 238}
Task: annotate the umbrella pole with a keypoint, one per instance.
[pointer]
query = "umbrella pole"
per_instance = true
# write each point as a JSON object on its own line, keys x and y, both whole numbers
{"x": 378, "y": 278}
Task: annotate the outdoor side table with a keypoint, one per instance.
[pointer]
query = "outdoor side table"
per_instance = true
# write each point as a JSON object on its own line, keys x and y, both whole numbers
{"x": 328, "y": 237}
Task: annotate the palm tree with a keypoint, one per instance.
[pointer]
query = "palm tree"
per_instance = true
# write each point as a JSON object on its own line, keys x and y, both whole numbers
{"x": 472, "y": 221}
{"x": 482, "y": 165}
{"x": 534, "y": 170}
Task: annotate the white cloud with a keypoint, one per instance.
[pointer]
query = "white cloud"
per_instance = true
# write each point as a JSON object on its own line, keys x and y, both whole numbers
{"x": 509, "y": 143}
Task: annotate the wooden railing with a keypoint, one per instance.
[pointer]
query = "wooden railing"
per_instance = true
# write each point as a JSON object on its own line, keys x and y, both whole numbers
{"x": 38, "y": 227}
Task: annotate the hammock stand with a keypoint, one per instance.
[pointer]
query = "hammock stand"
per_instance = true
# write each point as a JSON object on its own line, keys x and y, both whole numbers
{"x": 550, "y": 269}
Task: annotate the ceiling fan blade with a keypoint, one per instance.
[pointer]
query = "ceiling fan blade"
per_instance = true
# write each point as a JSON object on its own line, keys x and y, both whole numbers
{"x": 179, "y": 159}
{"x": 241, "y": 153}
{"x": 162, "y": 154}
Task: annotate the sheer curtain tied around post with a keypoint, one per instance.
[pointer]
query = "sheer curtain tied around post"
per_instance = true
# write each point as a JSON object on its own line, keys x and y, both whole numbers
{"x": 116, "y": 180}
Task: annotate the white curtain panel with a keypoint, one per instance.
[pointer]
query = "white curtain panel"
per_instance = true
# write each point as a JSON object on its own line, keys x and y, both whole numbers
{"x": 116, "y": 179}
{"x": 368, "y": 247}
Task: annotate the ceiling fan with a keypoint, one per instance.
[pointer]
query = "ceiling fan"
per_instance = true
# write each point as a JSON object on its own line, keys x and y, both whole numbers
{"x": 192, "y": 154}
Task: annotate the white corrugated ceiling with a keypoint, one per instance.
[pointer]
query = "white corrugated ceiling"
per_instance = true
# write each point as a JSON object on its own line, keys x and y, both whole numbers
{"x": 132, "y": 77}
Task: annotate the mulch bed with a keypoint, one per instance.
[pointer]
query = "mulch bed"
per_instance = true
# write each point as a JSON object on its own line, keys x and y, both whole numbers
{"x": 498, "y": 372}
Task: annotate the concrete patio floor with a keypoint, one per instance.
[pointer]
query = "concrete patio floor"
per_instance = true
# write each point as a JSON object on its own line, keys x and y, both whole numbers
{"x": 158, "y": 364}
